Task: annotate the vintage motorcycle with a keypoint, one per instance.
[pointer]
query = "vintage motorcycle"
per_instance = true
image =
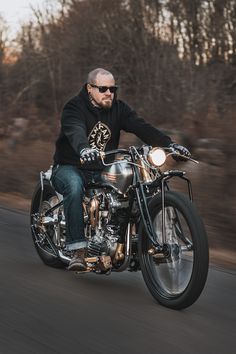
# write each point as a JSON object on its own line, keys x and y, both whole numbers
{"x": 133, "y": 221}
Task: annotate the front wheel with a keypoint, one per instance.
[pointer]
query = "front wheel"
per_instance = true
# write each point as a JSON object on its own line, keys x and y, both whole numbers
{"x": 175, "y": 277}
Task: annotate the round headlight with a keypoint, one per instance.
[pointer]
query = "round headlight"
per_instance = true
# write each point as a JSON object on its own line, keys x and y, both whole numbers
{"x": 157, "y": 157}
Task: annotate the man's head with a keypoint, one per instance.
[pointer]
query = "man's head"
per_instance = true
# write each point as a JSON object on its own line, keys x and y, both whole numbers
{"x": 101, "y": 87}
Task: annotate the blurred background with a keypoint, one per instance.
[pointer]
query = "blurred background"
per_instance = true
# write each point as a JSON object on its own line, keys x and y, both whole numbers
{"x": 175, "y": 62}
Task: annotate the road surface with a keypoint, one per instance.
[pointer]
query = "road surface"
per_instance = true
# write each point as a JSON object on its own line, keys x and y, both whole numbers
{"x": 46, "y": 310}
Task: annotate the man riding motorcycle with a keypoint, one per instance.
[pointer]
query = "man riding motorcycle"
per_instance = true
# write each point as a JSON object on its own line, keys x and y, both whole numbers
{"x": 91, "y": 123}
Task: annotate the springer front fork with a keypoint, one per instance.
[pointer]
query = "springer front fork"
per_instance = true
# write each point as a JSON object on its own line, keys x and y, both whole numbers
{"x": 144, "y": 210}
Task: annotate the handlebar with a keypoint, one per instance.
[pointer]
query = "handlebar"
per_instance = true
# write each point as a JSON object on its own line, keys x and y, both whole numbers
{"x": 108, "y": 153}
{"x": 113, "y": 152}
{"x": 171, "y": 151}
{"x": 175, "y": 152}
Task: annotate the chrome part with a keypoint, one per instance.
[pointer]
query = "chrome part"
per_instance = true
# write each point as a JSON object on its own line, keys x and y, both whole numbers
{"x": 151, "y": 251}
{"x": 51, "y": 221}
{"x": 38, "y": 243}
{"x": 94, "y": 248}
{"x": 58, "y": 238}
{"x": 111, "y": 238}
{"x": 41, "y": 194}
{"x": 174, "y": 264}
{"x": 157, "y": 157}
{"x": 104, "y": 241}
{"x": 63, "y": 257}
{"x": 63, "y": 223}
{"x": 47, "y": 220}
{"x": 113, "y": 203}
{"x": 40, "y": 239}
{"x": 48, "y": 174}
{"x": 187, "y": 248}
{"x": 119, "y": 175}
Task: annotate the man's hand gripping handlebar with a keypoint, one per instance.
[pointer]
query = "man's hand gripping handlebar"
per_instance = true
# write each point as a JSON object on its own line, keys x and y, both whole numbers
{"x": 89, "y": 155}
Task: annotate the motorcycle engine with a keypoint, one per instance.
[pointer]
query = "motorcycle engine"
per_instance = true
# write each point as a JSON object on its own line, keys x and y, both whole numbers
{"x": 104, "y": 242}
{"x": 104, "y": 220}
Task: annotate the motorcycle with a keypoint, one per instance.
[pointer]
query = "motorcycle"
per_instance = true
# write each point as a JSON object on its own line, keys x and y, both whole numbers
{"x": 133, "y": 221}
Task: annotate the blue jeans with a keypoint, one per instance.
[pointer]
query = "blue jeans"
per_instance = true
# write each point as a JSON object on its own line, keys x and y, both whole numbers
{"x": 70, "y": 181}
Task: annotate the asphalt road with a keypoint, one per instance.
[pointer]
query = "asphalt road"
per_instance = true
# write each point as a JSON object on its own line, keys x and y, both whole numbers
{"x": 45, "y": 310}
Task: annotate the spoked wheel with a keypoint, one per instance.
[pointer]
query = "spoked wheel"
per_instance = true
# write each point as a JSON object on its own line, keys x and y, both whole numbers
{"x": 175, "y": 277}
{"x": 43, "y": 234}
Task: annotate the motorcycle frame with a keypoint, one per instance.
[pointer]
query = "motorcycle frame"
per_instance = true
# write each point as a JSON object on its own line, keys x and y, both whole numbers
{"x": 138, "y": 186}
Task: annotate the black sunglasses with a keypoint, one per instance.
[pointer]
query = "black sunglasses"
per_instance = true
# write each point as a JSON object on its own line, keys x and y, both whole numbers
{"x": 103, "y": 89}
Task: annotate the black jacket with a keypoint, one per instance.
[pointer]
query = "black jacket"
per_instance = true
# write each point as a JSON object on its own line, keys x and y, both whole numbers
{"x": 84, "y": 125}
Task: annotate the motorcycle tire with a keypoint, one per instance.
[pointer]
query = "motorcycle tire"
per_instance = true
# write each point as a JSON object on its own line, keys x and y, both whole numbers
{"x": 44, "y": 250}
{"x": 176, "y": 277}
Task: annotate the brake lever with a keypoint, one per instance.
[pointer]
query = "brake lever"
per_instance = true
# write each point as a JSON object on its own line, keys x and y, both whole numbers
{"x": 174, "y": 152}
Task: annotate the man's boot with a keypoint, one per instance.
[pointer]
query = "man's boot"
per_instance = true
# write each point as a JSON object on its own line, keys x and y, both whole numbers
{"x": 78, "y": 263}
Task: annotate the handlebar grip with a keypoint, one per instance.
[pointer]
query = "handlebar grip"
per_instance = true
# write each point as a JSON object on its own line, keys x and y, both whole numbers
{"x": 101, "y": 156}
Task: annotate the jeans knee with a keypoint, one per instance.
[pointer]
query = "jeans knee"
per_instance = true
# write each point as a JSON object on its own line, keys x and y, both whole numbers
{"x": 75, "y": 187}
{"x": 68, "y": 181}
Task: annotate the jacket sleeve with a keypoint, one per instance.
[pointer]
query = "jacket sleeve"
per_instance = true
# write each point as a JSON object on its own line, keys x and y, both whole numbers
{"x": 150, "y": 135}
{"x": 73, "y": 125}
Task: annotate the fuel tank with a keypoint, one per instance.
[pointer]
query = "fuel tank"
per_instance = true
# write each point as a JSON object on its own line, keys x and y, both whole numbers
{"x": 119, "y": 175}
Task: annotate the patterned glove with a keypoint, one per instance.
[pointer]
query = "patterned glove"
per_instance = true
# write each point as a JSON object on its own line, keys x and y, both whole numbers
{"x": 89, "y": 155}
{"x": 180, "y": 152}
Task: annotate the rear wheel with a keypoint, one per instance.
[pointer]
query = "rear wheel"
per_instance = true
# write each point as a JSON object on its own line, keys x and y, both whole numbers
{"x": 177, "y": 276}
{"x": 44, "y": 235}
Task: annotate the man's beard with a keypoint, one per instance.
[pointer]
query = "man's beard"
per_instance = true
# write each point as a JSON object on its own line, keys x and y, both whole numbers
{"x": 106, "y": 104}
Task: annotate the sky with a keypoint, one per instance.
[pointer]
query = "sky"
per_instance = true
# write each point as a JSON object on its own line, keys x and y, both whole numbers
{"x": 16, "y": 12}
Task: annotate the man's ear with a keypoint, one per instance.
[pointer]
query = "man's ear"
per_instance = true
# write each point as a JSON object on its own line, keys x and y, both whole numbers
{"x": 89, "y": 88}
